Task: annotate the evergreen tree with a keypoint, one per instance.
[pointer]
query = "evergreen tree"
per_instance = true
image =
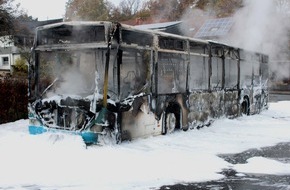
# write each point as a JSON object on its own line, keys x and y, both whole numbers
{"x": 7, "y": 16}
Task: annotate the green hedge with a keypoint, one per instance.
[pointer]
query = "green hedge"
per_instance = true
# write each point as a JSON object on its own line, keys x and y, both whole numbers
{"x": 13, "y": 99}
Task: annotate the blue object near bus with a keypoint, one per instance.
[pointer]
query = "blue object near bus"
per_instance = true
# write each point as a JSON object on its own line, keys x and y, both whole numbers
{"x": 88, "y": 137}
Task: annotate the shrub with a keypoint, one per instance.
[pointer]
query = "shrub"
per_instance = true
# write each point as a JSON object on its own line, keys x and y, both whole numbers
{"x": 20, "y": 68}
{"x": 13, "y": 99}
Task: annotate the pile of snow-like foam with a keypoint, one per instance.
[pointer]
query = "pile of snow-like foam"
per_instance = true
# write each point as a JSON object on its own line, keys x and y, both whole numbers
{"x": 62, "y": 161}
{"x": 263, "y": 165}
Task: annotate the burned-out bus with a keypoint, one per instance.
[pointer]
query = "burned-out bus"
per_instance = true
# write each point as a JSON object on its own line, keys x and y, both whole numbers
{"x": 109, "y": 81}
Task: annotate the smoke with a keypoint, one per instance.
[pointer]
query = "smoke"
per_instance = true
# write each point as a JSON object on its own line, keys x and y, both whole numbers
{"x": 75, "y": 76}
{"x": 72, "y": 82}
{"x": 260, "y": 26}
{"x": 193, "y": 19}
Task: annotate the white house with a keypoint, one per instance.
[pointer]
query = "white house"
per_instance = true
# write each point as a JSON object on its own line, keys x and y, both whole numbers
{"x": 9, "y": 45}
{"x": 8, "y": 54}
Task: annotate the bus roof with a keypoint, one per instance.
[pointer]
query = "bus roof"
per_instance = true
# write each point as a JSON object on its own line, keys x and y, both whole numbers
{"x": 135, "y": 29}
{"x": 124, "y": 26}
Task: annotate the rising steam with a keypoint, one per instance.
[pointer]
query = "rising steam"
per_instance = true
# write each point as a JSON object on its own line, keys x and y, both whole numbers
{"x": 261, "y": 26}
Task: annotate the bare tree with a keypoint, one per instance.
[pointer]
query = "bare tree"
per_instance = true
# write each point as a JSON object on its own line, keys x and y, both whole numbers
{"x": 225, "y": 8}
{"x": 172, "y": 10}
{"x": 130, "y": 9}
{"x": 90, "y": 10}
{"x": 283, "y": 6}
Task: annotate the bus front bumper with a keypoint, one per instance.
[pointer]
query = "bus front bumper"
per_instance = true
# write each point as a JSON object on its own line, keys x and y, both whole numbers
{"x": 88, "y": 137}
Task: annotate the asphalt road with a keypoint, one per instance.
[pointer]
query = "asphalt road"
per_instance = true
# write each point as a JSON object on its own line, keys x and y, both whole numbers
{"x": 279, "y": 96}
{"x": 280, "y": 152}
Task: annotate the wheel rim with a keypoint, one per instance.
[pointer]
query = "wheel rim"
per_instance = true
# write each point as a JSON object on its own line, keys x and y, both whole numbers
{"x": 170, "y": 122}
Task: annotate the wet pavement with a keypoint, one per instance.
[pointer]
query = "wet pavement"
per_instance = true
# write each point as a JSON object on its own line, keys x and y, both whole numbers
{"x": 235, "y": 181}
{"x": 279, "y": 96}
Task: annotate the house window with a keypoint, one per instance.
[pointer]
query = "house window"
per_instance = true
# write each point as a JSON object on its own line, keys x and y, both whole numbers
{"x": 5, "y": 61}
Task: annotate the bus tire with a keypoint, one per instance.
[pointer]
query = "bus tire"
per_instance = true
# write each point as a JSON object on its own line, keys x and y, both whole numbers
{"x": 171, "y": 119}
{"x": 245, "y": 106}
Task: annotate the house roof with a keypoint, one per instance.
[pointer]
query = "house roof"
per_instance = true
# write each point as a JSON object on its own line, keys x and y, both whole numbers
{"x": 157, "y": 26}
{"x": 28, "y": 27}
{"x": 215, "y": 28}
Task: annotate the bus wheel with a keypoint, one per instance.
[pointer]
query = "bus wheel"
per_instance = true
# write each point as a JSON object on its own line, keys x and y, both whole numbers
{"x": 171, "y": 120}
{"x": 245, "y": 107}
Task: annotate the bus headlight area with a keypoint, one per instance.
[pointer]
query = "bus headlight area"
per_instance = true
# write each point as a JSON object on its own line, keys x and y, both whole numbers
{"x": 70, "y": 116}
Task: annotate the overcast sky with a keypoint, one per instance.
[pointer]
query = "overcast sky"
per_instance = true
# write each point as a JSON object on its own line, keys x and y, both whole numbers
{"x": 47, "y": 9}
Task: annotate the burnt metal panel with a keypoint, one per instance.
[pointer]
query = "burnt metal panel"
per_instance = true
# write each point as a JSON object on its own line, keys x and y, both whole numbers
{"x": 70, "y": 34}
{"x": 136, "y": 38}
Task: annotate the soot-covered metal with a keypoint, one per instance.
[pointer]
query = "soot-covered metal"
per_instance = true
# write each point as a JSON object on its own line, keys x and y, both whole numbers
{"x": 105, "y": 80}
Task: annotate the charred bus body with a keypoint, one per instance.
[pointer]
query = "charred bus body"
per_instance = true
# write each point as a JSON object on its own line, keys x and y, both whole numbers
{"x": 105, "y": 80}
